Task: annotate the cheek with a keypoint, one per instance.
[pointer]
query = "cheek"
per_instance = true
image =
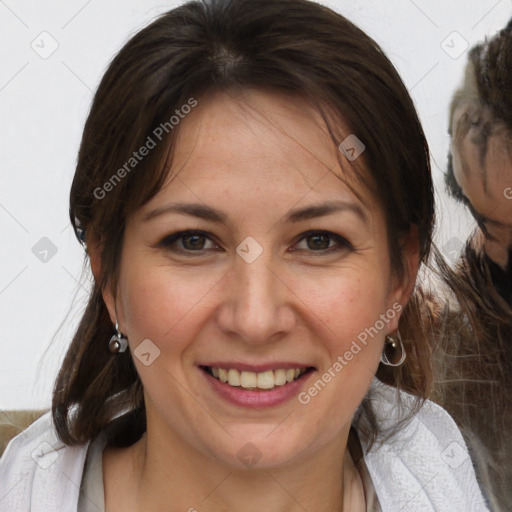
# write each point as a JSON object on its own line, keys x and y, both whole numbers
{"x": 354, "y": 321}
{"x": 168, "y": 309}
{"x": 351, "y": 308}
{"x": 161, "y": 305}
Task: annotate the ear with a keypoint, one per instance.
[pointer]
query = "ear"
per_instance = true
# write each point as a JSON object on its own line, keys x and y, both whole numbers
{"x": 403, "y": 286}
{"x": 94, "y": 250}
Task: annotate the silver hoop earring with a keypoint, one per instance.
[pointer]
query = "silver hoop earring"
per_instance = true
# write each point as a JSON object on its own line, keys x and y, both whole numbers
{"x": 391, "y": 345}
{"x": 118, "y": 343}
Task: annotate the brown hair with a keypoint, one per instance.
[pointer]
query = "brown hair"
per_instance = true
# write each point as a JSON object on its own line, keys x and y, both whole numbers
{"x": 296, "y": 46}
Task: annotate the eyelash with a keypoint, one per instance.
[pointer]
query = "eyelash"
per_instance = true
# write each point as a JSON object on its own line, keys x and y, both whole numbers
{"x": 170, "y": 240}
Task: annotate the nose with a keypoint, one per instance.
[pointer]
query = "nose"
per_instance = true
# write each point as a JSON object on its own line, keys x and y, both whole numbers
{"x": 257, "y": 303}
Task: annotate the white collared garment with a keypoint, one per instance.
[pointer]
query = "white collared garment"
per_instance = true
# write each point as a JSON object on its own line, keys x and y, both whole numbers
{"x": 425, "y": 467}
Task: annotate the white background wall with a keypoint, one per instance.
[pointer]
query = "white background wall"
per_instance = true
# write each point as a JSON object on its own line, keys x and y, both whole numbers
{"x": 43, "y": 106}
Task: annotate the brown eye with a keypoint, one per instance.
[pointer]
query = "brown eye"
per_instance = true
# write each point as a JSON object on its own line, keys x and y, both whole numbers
{"x": 187, "y": 242}
{"x": 193, "y": 241}
{"x": 322, "y": 241}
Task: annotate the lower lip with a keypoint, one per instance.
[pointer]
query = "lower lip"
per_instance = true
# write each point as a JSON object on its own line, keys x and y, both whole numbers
{"x": 257, "y": 399}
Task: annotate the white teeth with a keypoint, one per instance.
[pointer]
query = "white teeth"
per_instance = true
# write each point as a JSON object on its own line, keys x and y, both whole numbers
{"x": 252, "y": 380}
{"x": 266, "y": 380}
{"x": 279, "y": 377}
{"x": 233, "y": 378}
{"x": 248, "y": 379}
{"x": 223, "y": 375}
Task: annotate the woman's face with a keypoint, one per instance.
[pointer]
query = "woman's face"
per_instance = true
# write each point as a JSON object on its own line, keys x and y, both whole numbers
{"x": 274, "y": 280}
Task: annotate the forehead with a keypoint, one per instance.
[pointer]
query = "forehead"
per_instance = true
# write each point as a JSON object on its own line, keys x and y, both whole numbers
{"x": 254, "y": 140}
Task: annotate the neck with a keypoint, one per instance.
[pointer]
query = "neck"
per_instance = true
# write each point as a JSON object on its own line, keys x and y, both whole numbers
{"x": 160, "y": 474}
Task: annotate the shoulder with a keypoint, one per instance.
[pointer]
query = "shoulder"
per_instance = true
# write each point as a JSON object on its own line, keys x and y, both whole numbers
{"x": 425, "y": 466}
{"x": 40, "y": 473}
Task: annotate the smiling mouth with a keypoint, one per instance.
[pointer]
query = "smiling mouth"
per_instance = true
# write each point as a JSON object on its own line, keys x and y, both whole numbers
{"x": 252, "y": 381}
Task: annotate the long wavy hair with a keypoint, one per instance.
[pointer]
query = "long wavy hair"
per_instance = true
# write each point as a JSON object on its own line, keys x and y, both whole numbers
{"x": 292, "y": 46}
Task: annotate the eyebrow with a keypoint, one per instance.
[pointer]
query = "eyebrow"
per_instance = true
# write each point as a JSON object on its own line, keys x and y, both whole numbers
{"x": 293, "y": 216}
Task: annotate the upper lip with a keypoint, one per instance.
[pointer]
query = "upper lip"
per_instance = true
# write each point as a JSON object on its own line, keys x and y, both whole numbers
{"x": 256, "y": 368}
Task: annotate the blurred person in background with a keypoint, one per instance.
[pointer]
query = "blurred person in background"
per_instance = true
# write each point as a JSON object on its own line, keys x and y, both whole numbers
{"x": 473, "y": 355}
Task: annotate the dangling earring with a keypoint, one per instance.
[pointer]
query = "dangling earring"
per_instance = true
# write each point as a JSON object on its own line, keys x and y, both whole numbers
{"x": 118, "y": 343}
{"x": 391, "y": 345}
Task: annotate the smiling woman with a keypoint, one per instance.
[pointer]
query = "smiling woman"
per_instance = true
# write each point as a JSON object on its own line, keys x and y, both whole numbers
{"x": 265, "y": 250}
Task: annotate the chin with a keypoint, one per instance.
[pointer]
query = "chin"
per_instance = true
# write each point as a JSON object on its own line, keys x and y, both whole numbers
{"x": 260, "y": 447}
